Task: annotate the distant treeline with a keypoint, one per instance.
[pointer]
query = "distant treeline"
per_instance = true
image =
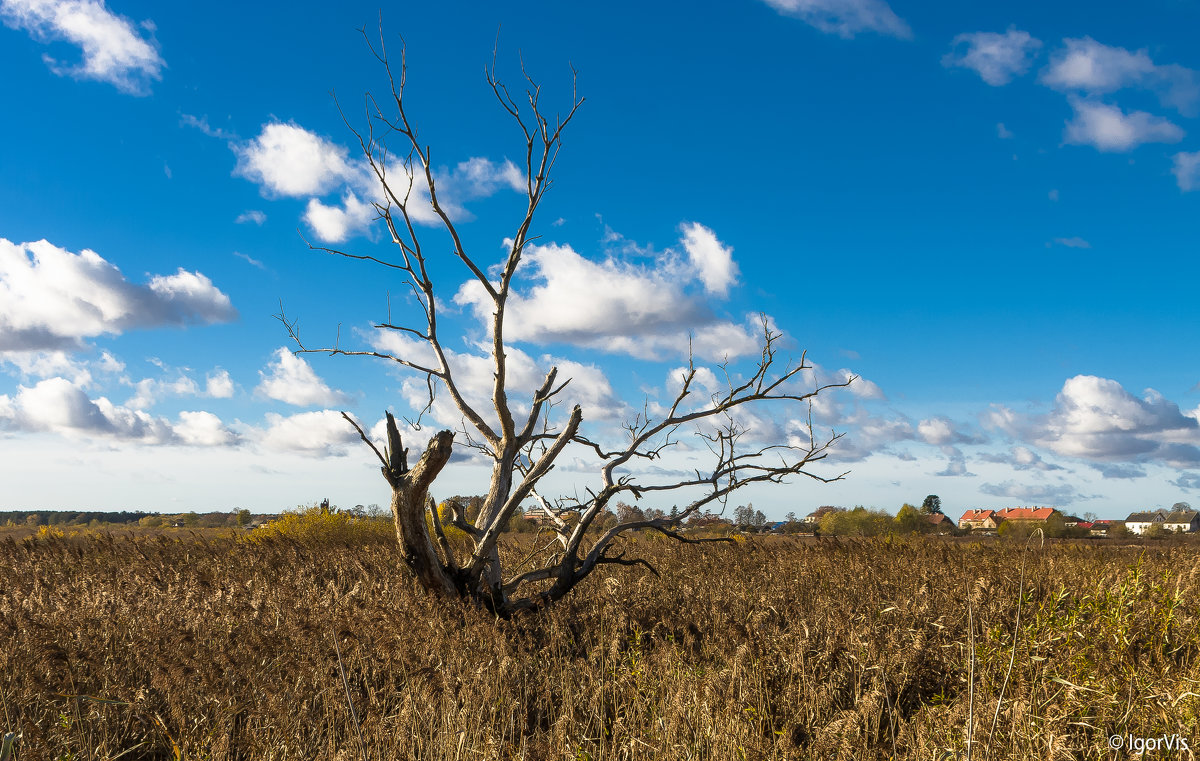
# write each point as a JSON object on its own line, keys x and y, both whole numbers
{"x": 55, "y": 518}
{"x": 121, "y": 518}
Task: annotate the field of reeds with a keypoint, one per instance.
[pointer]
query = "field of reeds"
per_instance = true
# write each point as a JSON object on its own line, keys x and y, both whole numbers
{"x": 775, "y": 648}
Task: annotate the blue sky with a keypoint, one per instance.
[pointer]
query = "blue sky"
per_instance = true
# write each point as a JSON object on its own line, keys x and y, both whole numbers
{"x": 986, "y": 213}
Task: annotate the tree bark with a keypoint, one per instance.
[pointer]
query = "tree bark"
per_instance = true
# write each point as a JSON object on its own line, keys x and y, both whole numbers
{"x": 409, "y": 494}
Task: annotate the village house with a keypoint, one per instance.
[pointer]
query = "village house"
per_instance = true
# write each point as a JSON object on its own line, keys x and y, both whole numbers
{"x": 1025, "y": 513}
{"x": 979, "y": 519}
{"x": 1184, "y": 521}
{"x": 940, "y": 522}
{"x": 1139, "y": 522}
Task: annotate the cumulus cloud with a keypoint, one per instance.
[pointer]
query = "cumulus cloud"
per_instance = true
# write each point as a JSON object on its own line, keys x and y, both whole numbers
{"x": 291, "y": 380}
{"x": 712, "y": 260}
{"x": 956, "y": 465}
{"x": 943, "y": 432}
{"x": 1097, "y": 419}
{"x": 1089, "y": 66}
{"x": 288, "y": 160}
{"x": 996, "y": 58}
{"x": 47, "y": 364}
{"x": 473, "y": 375}
{"x": 253, "y": 215}
{"x": 1107, "y": 128}
{"x": 56, "y": 405}
{"x": 51, "y": 298}
{"x": 648, "y": 310}
{"x": 845, "y": 18}
{"x": 1187, "y": 170}
{"x": 203, "y": 429}
{"x": 218, "y": 384}
{"x": 113, "y": 49}
{"x": 334, "y": 224}
{"x": 323, "y": 432}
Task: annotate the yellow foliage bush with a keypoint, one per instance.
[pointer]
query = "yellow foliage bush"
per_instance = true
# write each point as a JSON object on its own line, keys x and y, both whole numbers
{"x": 316, "y": 526}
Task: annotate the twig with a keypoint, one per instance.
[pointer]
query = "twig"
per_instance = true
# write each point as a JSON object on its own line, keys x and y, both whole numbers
{"x": 1016, "y": 631}
{"x": 346, "y": 685}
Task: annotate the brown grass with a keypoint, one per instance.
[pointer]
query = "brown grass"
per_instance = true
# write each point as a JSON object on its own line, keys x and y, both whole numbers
{"x": 772, "y": 649}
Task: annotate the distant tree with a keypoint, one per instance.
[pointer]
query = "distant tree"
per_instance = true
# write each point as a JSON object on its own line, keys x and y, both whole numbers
{"x": 654, "y": 514}
{"x": 1155, "y": 531}
{"x": 857, "y": 522}
{"x": 1118, "y": 530}
{"x": 824, "y": 510}
{"x": 674, "y": 514}
{"x": 627, "y": 513}
{"x": 932, "y": 504}
{"x": 243, "y": 518}
{"x": 910, "y": 520}
{"x": 790, "y": 517}
{"x": 1180, "y": 506}
{"x": 1056, "y": 526}
{"x": 758, "y": 520}
{"x": 1090, "y": 517}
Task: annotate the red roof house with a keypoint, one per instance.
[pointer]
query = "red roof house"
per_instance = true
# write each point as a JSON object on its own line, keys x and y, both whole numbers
{"x": 1025, "y": 513}
{"x": 979, "y": 519}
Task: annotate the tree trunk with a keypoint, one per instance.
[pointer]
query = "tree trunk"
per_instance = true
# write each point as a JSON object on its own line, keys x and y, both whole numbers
{"x": 409, "y": 495}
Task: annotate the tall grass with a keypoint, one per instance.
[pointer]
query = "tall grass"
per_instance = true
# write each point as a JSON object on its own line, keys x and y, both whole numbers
{"x": 771, "y": 649}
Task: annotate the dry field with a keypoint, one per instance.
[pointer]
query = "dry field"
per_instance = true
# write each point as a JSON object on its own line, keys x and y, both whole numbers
{"x": 771, "y": 649}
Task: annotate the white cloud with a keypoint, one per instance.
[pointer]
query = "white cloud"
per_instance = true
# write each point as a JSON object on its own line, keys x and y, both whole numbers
{"x": 1094, "y": 68}
{"x": 1073, "y": 242}
{"x": 1021, "y": 458}
{"x": 710, "y": 258}
{"x": 51, "y": 298}
{"x": 997, "y": 58}
{"x": 479, "y": 177}
{"x": 203, "y": 429}
{"x": 1002, "y": 132}
{"x": 645, "y": 310}
{"x": 46, "y": 364}
{"x": 1108, "y": 128}
{"x": 288, "y": 160}
{"x": 218, "y": 385}
{"x": 943, "y": 432}
{"x": 1187, "y": 170}
{"x": 250, "y": 260}
{"x": 323, "y": 432}
{"x": 150, "y": 390}
{"x": 473, "y": 375}
{"x": 1033, "y": 494}
{"x": 845, "y": 18}
{"x": 291, "y": 380}
{"x": 56, "y": 405}
{"x": 113, "y": 50}
{"x": 334, "y": 224}
{"x": 253, "y": 215}
{"x": 1097, "y": 419}
{"x": 201, "y": 123}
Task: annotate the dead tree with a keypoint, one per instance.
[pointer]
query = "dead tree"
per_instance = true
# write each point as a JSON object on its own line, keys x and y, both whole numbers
{"x": 523, "y": 447}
